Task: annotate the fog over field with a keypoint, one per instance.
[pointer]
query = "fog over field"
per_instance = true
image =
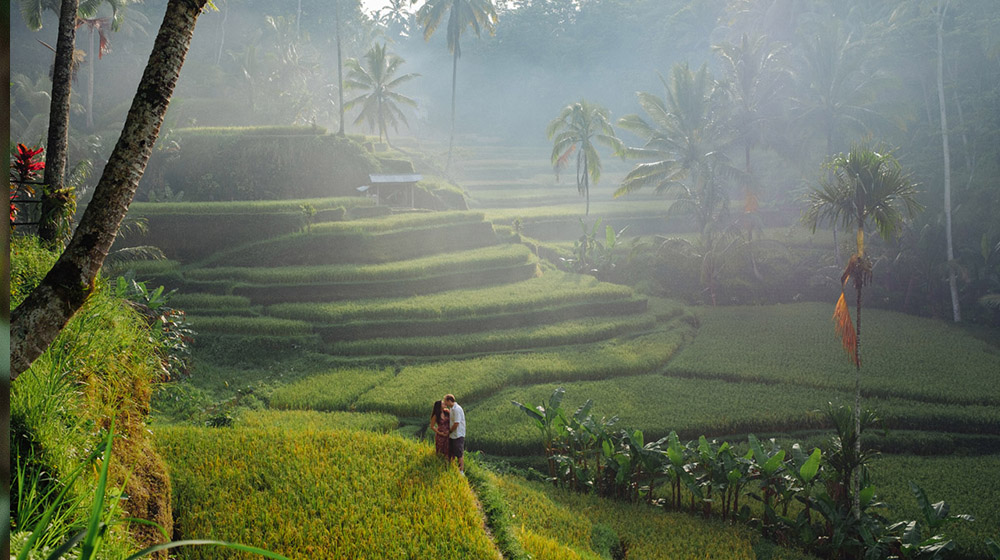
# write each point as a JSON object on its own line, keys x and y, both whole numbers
{"x": 669, "y": 255}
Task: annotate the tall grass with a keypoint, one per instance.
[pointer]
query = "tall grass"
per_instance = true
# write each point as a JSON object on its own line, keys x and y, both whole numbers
{"x": 306, "y": 494}
{"x": 905, "y": 356}
{"x": 100, "y": 366}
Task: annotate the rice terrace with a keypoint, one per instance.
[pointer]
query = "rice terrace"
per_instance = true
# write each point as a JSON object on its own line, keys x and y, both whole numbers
{"x": 573, "y": 280}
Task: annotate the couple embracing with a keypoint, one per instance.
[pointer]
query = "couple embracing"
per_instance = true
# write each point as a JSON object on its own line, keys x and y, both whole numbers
{"x": 448, "y": 423}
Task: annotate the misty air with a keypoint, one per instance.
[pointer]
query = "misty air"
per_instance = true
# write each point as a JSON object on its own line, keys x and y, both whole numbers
{"x": 504, "y": 279}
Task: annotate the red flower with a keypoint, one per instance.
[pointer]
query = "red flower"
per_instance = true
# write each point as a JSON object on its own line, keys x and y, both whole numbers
{"x": 23, "y": 166}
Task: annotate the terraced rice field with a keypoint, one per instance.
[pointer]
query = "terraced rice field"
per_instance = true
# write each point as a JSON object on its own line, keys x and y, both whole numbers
{"x": 372, "y": 320}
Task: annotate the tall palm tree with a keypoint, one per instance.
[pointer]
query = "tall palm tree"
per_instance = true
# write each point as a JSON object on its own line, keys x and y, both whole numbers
{"x": 866, "y": 186}
{"x": 835, "y": 91}
{"x": 478, "y": 14}
{"x": 684, "y": 139}
{"x": 377, "y": 79}
{"x": 754, "y": 73}
{"x": 576, "y": 128}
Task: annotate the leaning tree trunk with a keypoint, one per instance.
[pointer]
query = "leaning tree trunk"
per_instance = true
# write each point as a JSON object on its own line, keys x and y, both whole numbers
{"x": 37, "y": 321}
{"x": 952, "y": 283}
{"x": 58, "y": 134}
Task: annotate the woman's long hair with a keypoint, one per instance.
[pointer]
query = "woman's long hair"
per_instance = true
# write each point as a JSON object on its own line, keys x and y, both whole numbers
{"x": 437, "y": 410}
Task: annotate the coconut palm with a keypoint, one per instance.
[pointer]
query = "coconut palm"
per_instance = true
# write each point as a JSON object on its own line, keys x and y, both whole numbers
{"x": 864, "y": 187}
{"x": 754, "y": 72}
{"x": 576, "y": 128}
{"x": 684, "y": 139}
{"x": 478, "y": 14}
{"x": 377, "y": 78}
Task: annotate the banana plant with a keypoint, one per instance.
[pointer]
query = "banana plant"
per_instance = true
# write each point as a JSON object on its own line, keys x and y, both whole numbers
{"x": 549, "y": 420}
{"x": 907, "y": 537}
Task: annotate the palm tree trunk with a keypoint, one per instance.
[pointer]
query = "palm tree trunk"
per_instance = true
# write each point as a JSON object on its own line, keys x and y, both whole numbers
{"x": 340, "y": 70}
{"x": 37, "y": 321}
{"x": 58, "y": 133}
{"x": 451, "y": 137}
{"x": 90, "y": 82}
{"x": 856, "y": 475}
{"x": 952, "y": 283}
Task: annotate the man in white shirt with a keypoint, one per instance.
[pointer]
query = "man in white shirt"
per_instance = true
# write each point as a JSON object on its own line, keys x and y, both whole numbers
{"x": 456, "y": 441}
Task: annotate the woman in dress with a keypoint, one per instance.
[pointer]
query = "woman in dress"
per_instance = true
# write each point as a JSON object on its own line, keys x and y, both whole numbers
{"x": 441, "y": 425}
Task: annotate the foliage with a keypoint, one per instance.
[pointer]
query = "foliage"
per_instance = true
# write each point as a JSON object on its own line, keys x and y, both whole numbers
{"x": 218, "y": 165}
{"x": 30, "y": 260}
{"x": 378, "y": 81}
{"x": 364, "y": 491}
{"x": 100, "y": 366}
{"x": 594, "y": 457}
{"x": 23, "y": 173}
{"x": 595, "y": 256}
{"x": 171, "y": 331}
{"x": 93, "y": 536}
{"x": 576, "y": 129}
